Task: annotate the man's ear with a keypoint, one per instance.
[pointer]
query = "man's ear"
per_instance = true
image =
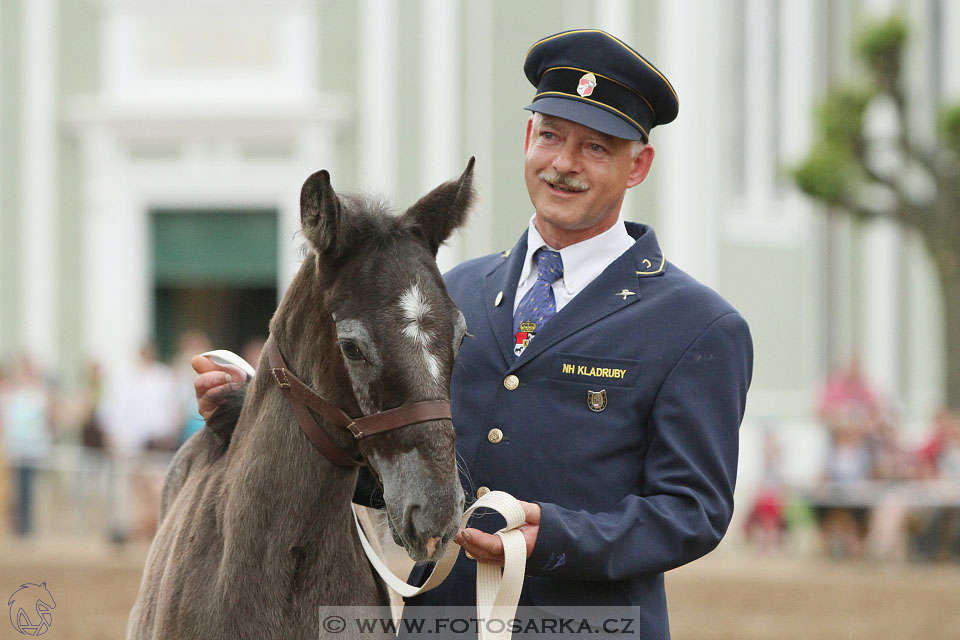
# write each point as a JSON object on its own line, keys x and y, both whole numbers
{"x": 436, "y": 215}
{"x": 641, "y": 166}
{"x": 320, "y": 214}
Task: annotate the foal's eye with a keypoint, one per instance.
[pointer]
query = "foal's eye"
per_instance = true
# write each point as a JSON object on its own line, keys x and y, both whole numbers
{"x": 350, "y": 350}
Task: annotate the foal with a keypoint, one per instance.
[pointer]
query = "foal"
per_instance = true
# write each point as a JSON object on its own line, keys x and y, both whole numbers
{"x": 256, "y": 530}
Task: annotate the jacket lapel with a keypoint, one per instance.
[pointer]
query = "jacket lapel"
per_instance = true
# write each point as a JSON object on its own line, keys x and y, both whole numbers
{"x": 613, "y": 290}
{"x": 503, "y": 280}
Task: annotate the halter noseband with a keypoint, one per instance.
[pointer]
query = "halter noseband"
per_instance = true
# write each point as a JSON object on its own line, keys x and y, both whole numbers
{"x": 302, "y": 398}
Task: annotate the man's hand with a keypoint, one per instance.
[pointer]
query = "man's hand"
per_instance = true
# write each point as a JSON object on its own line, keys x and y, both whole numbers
{"x": 487, "y": 547}
{"x": 213, "y": 381}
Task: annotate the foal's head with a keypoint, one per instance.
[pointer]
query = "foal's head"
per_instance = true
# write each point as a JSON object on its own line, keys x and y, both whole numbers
{"x": 398, "y": 333}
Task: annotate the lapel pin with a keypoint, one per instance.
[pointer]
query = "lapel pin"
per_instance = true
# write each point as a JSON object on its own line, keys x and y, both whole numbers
{"x": 625, "y": 293}
{"x": 499, "y": 299}
{"x": 597, "y": 400}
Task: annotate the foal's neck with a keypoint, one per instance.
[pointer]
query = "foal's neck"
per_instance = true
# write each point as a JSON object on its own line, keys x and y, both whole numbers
{"x": 277, "y": 467}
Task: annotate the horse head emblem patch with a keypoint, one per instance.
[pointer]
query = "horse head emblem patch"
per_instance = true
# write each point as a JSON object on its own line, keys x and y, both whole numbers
{"x": 30, "y": 607}
{"x": 597, "y": 400}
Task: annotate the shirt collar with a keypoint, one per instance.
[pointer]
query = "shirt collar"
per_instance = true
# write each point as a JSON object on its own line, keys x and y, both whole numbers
{"x": 582, "y": 261}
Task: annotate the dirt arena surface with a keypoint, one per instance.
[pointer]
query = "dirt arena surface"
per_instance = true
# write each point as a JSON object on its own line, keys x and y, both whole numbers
{"x": 727, "y": 595}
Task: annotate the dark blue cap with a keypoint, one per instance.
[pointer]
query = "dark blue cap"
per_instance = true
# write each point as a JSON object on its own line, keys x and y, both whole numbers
{"x": 596, "y": 80}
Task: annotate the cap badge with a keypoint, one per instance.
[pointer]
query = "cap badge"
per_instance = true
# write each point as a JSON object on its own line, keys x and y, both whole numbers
{"x": 587, "y": 83}
{"x": 597, "y": 400}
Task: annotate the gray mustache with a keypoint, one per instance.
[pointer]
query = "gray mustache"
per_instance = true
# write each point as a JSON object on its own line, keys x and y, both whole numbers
{"x": 564, "y": 181}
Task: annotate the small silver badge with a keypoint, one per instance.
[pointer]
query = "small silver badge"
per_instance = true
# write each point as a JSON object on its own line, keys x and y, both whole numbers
{"x": 597, "y": 400}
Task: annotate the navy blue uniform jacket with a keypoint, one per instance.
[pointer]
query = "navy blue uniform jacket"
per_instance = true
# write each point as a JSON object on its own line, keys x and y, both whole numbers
{"x": 640, "y": 487}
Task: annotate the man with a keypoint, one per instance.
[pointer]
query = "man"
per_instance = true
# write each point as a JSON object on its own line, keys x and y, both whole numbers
{"x": 603, "y": 387}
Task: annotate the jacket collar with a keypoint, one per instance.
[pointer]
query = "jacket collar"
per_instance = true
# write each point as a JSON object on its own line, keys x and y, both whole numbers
{"x": 616, "y": 288}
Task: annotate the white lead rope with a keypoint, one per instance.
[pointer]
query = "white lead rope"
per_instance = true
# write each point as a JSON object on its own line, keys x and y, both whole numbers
{"x": 497, "y": 593}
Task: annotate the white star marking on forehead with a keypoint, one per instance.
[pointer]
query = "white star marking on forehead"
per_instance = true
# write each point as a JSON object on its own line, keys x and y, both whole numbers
{"x": 415, "y": 310}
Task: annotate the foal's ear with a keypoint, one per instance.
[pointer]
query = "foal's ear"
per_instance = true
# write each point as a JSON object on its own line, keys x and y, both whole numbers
{"x": 437, "y": 214}
{"x": 320, "y": 213}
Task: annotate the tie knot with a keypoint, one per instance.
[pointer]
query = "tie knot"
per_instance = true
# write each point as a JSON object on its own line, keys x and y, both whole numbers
{"x": 549, "y": 265}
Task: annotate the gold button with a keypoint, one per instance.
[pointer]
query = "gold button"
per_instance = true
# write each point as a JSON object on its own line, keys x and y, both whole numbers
{"x": 495, "y": 436}
{"x": 482, "y": 491}
{"x": 511, "y": 382}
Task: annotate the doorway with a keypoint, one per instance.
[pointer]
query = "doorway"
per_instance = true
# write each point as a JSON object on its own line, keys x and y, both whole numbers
{"x": 214, "y": 271}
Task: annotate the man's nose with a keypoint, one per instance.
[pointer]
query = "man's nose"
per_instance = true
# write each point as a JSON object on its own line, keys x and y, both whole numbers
{"x": 565, "y": 159}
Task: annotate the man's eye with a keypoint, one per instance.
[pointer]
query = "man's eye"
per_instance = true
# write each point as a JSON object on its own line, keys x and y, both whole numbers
{"x": 596, "y": 147}
{"x": 350, "y": 350}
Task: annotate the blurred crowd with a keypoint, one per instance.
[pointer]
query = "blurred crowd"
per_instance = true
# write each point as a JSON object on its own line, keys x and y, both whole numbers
{"x": 112, "y": 437}
{"x": 884, "y": 492}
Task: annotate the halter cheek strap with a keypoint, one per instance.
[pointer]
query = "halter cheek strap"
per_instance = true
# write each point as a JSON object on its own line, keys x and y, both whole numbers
{"x": 302, "y": 399}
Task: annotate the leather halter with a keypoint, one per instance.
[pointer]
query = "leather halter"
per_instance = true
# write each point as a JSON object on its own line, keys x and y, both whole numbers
{"x": 302, "y": 398}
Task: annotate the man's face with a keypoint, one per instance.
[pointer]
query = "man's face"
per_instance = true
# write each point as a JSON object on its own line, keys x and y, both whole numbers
{"x": 577, "y": 177}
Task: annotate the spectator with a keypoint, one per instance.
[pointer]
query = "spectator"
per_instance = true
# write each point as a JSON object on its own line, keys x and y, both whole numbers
{"x": 938, "y": 537}
{"x": 191, "y": 342}
{"x": 27, "y": 439}
{"x": 766, "y": 523}
{"x": 847, "y": 397}
{"x": 139, "y": 413}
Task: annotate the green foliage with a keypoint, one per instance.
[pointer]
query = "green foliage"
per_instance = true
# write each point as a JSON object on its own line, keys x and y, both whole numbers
{"x": 950, "y": 126}
{"x": 840, "y": 115}
{"x": 827, "y": 172}
{"x": 880, "y": 44}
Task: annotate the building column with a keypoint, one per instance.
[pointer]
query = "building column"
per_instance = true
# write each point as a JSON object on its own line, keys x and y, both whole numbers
{"x": 440, "y": 155}
{"x": 479, "y": 134}
{"x": 378, "y": 96}
{"x": 690, "y": 199}
{"x": 40, "y": 186}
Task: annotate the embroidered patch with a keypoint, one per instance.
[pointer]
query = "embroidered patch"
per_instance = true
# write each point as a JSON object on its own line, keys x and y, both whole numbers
{"x": 595, "y": 371}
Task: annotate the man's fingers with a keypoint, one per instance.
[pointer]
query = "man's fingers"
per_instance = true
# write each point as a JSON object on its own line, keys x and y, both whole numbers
{"x": 203, "y": 364}
{"x": 209, "y": 401}
{"x": 212, "y": 382}
{"x": 484, "y": 547}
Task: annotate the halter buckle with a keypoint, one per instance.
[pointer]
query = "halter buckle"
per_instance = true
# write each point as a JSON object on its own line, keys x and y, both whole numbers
{"x": 355, "y": 430}
{"x": 280, "y": 375}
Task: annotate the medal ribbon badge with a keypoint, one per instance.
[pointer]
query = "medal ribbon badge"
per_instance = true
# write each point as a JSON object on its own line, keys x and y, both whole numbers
{"x": 524, "y": 336}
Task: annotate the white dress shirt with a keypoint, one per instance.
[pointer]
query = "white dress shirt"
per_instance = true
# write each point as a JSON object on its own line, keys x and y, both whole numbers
{"x": 582, "y": 262}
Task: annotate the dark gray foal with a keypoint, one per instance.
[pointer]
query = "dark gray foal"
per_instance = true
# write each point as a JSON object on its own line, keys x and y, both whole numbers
{"x": 256, "y": 531}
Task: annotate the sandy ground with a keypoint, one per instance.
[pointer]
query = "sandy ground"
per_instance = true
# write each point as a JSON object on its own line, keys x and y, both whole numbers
{"x": 726, "y": 595}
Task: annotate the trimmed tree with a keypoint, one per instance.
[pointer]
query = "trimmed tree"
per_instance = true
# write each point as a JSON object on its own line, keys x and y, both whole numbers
{"x": 919, "y": 189}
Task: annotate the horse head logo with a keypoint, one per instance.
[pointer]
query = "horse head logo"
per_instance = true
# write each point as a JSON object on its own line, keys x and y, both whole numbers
{"x": 30, "y": 607}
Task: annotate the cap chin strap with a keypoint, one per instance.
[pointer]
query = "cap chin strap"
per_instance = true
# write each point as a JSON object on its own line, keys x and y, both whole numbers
{"x": 498, "y": 593}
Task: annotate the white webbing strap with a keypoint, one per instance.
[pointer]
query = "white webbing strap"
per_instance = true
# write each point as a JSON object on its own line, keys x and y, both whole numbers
{"x": 497, "y": 594}
{"x": 222, "y": 356}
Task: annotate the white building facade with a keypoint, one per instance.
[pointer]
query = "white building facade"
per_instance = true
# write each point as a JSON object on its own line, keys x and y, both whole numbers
{"x": 116, "y": 113}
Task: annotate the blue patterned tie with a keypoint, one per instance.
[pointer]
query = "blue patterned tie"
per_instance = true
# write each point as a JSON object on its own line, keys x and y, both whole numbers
{"x": 538, "y": 304}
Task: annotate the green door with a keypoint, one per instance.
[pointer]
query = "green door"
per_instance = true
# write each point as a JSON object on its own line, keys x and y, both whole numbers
{"x": 214, "y": 271}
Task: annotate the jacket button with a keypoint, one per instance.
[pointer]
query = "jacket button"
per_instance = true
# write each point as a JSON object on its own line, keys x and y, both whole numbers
{"x": 495, "y": 436}
{"x": 482, "y": 491}
{"x": 511, "y": 382}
